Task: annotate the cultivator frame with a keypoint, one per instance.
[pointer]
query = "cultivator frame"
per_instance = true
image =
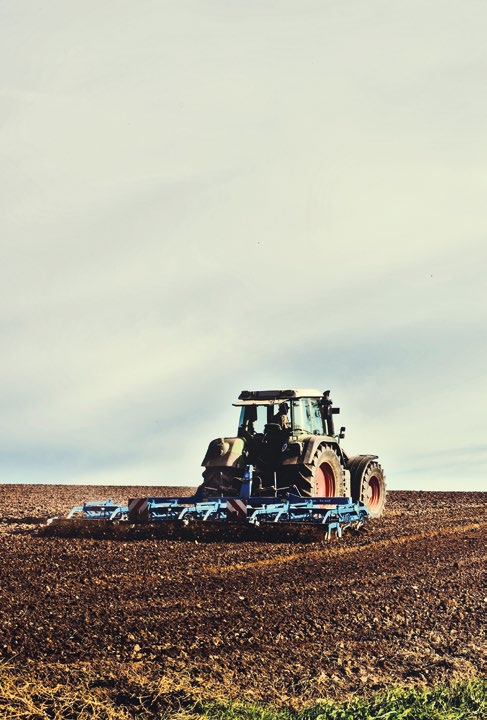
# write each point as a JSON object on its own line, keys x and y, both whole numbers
{"x": 96, "y": 509}
{"x": 247, "y": 516}
{"x": 334, "y": 514}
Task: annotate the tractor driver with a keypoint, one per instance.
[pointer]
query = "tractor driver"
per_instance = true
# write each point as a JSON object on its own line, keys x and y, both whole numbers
{"x": 281, "y": 417}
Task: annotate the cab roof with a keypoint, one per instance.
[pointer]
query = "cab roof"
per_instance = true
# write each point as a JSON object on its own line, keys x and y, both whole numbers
{"x": 271, "y": 397}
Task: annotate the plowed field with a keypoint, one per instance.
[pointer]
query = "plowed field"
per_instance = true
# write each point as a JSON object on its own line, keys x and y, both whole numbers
{"x": 399, "y": 603}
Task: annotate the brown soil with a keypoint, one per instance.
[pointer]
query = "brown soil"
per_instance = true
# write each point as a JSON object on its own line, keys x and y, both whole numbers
{"x": 399, "y": 603}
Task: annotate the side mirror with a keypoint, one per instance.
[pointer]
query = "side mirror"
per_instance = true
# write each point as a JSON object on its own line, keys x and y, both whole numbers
{"x": 341, "y": 434}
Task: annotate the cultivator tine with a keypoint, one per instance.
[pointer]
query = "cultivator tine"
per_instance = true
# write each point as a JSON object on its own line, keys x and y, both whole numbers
{"x": 333, "y": 528}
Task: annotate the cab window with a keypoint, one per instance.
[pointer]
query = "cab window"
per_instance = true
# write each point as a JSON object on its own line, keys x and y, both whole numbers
{"x": 302, "y": 416}
{"x": 316, "y": 417}
{"x": 253, "y": 418}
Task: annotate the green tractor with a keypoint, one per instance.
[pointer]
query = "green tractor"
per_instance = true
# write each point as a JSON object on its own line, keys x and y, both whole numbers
{"x": 288, "y": 436}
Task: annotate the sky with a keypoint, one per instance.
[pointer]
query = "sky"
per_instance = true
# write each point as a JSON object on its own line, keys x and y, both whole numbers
{"x": 199, "y": 197}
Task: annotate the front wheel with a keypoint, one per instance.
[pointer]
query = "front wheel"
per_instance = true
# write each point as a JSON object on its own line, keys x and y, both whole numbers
{"x": 323, "y": 477}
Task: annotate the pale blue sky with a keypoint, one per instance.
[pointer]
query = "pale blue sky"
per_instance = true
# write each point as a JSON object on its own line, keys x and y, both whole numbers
{"x": 199, "y": 197}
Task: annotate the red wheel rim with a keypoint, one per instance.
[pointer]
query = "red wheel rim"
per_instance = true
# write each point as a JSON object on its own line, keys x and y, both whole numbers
{"x": 373, "y": 493}
{"x": 325, "y": 481}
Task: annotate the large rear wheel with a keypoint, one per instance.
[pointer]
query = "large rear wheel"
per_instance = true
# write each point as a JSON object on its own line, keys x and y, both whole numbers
{"x": 369, "y": 486}
{"x": 323, "y": 477}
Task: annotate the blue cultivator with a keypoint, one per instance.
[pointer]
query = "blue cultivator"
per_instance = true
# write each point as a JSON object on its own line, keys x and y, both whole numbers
{"x": 331, "y": 514}
{"x": 244, "y": 517}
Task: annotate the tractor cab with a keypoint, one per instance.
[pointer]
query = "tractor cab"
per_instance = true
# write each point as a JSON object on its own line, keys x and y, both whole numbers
{"x": 306, "y": 412}
{"x": 302, "y": 415}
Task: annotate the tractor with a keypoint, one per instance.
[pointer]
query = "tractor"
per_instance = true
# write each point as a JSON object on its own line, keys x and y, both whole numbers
{"x": 288, "y": 438}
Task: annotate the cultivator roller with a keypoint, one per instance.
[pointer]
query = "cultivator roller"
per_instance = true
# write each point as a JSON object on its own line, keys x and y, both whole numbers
{"x": 233, "y": 518}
